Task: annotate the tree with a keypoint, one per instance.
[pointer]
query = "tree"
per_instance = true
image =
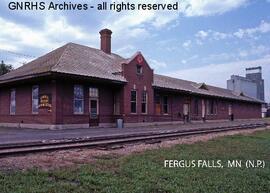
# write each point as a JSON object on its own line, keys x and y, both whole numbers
{"x": 5, "y": 68}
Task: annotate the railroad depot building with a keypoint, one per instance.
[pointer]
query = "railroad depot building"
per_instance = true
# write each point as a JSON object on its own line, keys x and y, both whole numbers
{"x": 78, "y": 86}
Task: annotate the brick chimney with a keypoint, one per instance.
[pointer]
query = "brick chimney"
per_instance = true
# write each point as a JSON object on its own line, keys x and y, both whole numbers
{"x": 105, "y": 43}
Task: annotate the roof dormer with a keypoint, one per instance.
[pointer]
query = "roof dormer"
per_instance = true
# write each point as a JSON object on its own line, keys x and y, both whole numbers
{"x": 203, "y": 86}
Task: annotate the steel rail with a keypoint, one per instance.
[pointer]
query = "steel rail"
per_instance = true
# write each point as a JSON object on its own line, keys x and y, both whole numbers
{"x": 16, "y": 149}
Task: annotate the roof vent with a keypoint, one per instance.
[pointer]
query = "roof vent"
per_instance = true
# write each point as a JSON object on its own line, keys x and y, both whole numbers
{"x": 241, "y": 94}
{"x": 203, "y": 86}
{"x": 105, "y": 40}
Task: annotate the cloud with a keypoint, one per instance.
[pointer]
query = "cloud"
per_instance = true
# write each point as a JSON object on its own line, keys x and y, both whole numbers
{"x": 211, "y": 35}
{"x": 217, "y": 58}
{"x": 126, "y": 51}
{"x": 52, "y": 29}
{"x": 138, "y": 32}
{"x": 126, "y": 22}
{"x": 52, "y": 33}
{"x": 5, "y": 45}
{"x": 157, "y": 64}
{"x": 219, "y": 35}
{"x": 189, "y": 59}
{"x": 264, "y": 27}
{"x": 217, "y": 74}
{"x": 243, "y": 53}
{"x": 187, "y": 44}
{"x": 254, "y": 52}
{"x": 169, "y": 44}
{"x": 210, "y": 7}
{"x": 201, "y": 34}
{"x": 139, "y": 23}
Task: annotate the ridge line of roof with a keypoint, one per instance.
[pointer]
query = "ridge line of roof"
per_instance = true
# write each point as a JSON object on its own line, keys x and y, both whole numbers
{"x": 166, "y": 76}
{"x": 58, "y": 61}
{"x": 112, "y": 53}
{"x": 235, "y": 97}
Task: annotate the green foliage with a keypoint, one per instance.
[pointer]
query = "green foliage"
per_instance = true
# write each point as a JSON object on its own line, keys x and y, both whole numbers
{"x": 144, "y": 172}
{"x": 5, "y": 68}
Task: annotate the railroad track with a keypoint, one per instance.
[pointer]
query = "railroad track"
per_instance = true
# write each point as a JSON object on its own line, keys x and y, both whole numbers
{"x": 107, "y": 141}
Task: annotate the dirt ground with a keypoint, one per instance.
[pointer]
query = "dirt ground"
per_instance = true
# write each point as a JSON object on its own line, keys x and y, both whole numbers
{"x": 67, "y": 158}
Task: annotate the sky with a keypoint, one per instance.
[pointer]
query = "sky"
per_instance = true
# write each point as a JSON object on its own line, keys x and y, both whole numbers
{"x": 204, "y": 41}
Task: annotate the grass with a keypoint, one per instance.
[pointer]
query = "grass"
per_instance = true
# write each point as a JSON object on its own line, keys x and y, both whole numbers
{"x": 144, "y": 172}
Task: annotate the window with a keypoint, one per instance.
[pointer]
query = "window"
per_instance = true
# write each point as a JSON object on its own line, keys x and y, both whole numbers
{"x": 133, "y": 101}
{"x": 165, "y": 105}
{"x": 35, "y": 93}
{"x": 139, "y": 69}
{"x": 94, "y": 106}
{"x": 144, "y": 102}
{"x": 211, "y": 107}
{"x": 196, "y": 107}
{"x": 93, "y": 92}
{"x": 13, "y": 102}
{"x": 78, "y": 107}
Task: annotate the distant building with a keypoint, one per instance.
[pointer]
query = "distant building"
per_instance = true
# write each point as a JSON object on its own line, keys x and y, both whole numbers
{"x": 255, "y": 74}
{"x": 240, "y": 84}
{"x": 252, "y": 85}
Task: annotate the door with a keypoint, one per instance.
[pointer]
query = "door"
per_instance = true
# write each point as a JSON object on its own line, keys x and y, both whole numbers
{"x": 94, "y": 119}
{"x": 230, "y": 112}
{"x": 93, "y": 107}
{"x": 157, "y": 104}
{"x": 203, "y": 109}
{"x": 230, "y": 109}
{"x": 186, "y": 112}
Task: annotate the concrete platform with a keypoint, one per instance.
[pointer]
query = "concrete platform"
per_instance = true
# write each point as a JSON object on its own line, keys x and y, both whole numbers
{"x": 22, "y": 135}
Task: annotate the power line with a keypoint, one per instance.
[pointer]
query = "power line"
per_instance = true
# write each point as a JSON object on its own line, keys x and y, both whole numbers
{"x": 17, "y": 53}
{"x": 6, "y": 55}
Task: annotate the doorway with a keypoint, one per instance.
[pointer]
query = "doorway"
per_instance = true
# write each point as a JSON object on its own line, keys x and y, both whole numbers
{"x": 93, "y": 107}
{"x": 186, "y": 112}
{"x": 203, "y": 110}
{"x": 230, "y": 112}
